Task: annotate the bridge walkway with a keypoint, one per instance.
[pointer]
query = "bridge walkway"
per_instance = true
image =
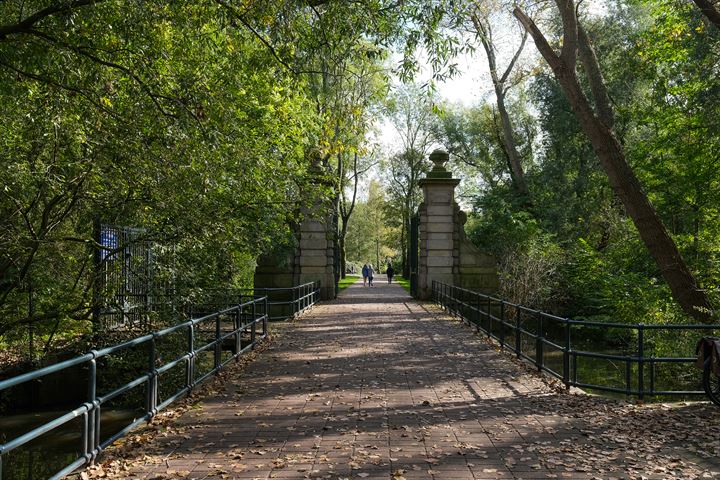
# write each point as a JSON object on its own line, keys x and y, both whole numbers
{"x": 375, "y": 385}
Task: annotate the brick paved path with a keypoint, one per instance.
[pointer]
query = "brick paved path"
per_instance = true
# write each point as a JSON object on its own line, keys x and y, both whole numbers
{"x": 375, "y": 385}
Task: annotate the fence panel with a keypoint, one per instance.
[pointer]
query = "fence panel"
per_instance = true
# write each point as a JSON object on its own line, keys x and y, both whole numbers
{"x": 631, "y": 359}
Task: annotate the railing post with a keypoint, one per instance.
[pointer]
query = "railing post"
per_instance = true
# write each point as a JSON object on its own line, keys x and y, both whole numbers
{"x": 566, "y": 355}
{"x": 539, "y": 344}
{"x": 478, "y": 316}
{"x": 218, "y": 347}
{"x": 641, "y": 361}
{"x": 91, "y": 434}
{"x": 152, "y": 379}
{"x": 191, "y": 359}
{"x": 502, "y": 325}
{"x": 265, "y": 318}
{"x": 295, "y": 301}
{"x": 254, "y": 324}
{"x": 488, "y": 315}
{"x": 238, "y": 331}
{"x": 518, "y": 334}
{"x": 453, "y": 297}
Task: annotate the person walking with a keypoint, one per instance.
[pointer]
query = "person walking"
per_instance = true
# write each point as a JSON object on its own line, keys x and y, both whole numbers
{"x": 390, "y": 273}
{"x": 365, "y": 275}
{"x": 371, "y": 273}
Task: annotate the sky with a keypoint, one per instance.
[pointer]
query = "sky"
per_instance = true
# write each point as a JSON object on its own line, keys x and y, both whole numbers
{"x": 469, "y": 87}
{"x": 472, "y": 84}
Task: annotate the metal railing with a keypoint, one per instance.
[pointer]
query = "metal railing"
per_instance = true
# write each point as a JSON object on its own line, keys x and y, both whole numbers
{"x": 196, "y": 350}
{"x": 283, "y": 302}
{"x": 289, "y": 302}
{"x": 632, "y": 359}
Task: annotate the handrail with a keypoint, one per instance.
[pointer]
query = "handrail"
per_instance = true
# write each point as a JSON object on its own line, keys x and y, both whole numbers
{"x": 237, "y": 325}
{"x": 525, "y": 332}
{"x": 283, "y": 302}
{"x": 302, "y": 298}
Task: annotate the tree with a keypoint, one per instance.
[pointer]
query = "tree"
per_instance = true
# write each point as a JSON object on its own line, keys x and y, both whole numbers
{"x": 597, "y": 124}
{"x": 350, "y": 178}
{"x": 502, "y": 82}
{"x": 157, "y": 116}
{"x": 474, "y": 141}
{"x": 414, "y": 120}
{"x": 370, "y": 234}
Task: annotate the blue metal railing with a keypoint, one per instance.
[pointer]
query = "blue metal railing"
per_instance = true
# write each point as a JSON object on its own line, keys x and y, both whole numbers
{"x": 197, "y": 346}
{"x": 640, "y": 356}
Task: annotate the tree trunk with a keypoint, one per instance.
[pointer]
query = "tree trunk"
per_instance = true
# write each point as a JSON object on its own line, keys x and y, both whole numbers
{"x": 343, "y": 264}
{"x": 508, "y": 140}
{"x": 626, "y": 185}
{"x": 345, "y": 211}
{"x": 510, "y": 146}
{"x": 710, "y": 11}
{"x": 404, "y": 249}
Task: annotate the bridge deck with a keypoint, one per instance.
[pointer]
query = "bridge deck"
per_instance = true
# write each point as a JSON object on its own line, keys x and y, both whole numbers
{"x": 374, "y": 385}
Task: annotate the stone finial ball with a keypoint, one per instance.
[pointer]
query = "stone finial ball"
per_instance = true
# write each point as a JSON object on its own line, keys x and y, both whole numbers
{"x": 439, "y": 157}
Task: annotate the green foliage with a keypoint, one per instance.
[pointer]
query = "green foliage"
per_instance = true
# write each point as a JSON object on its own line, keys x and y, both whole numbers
{"x": 660, "y": 63}
{"x": 370, "y": 236}
{"x": 164, "y": 117}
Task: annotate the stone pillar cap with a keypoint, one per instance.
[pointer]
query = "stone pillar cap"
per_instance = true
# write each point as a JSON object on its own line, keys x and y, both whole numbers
{"x": 439, "y": 157}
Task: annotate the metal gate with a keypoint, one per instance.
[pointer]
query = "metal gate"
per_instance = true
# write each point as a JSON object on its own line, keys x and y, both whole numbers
{"x": 123, "y": 282}
{"x": 413, "y": 246}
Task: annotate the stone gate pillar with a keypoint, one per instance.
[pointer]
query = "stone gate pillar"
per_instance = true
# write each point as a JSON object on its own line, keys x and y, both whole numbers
{"x": 446, "y": 255}
{"x": 315, "y": 258}
{"x": 437, "y": 226}
{"x": 310, "y": 257}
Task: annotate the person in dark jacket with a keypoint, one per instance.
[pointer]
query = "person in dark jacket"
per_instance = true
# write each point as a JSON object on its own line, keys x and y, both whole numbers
{"x": 390, "y": 272}
{"x": 365, "y": 274}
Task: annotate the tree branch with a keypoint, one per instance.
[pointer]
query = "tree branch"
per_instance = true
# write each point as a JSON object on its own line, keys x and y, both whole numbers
{"x": 568, "y": 54}
{"x": 62, "y": 86}
{"x": 230, "y": 9}
{"x": 515, "y": 57}
{"x": 595, "y": 79}
{"x": 59, "y": 7}
{"x": 542, "y": 44}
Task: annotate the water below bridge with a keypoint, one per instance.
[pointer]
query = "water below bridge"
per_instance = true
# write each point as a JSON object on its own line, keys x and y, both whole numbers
{"x": 375, "y": 385}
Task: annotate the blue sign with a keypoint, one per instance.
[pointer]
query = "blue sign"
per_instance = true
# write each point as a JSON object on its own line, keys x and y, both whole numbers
{"x": 108, "y": 243}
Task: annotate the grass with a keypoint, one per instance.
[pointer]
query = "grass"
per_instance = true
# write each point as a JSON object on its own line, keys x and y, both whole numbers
{"x": 347, "y": 281}
{"x": 403, "y": 282}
